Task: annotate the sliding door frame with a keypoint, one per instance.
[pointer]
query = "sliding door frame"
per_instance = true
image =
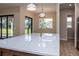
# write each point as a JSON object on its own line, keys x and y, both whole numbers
{"x": 31, "y": 22}
{"x": 6, "y": 25}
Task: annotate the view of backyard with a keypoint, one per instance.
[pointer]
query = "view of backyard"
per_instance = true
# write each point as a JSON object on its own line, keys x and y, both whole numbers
{"x": 26, "y": 31}
{"x": 6, "y": 23}
{"x": 4, "y": 31}
{"x": 27, "y": 25}
{"x": 45, "y": 23}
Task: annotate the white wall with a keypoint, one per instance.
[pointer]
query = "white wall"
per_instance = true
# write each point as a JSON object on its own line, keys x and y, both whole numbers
{"x": 19, "y": 18}
{"x": 12, "y": 11}
{"x": 76, "y": 16}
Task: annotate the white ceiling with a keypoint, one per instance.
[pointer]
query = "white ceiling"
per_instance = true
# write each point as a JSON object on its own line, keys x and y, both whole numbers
{"x": 47, "y": 7}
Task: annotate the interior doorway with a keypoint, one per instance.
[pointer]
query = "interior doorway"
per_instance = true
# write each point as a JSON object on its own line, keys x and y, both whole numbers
{"x": 67, "y": 28}
{"x": 70, "y": 31}
{"x": 67, "y": 21}
{"x": 28, "y": 25}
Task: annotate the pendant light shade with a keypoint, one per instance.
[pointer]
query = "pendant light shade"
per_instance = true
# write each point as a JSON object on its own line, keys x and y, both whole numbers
{"x": 42, "y": 14}
{"x": 31, "y": 7}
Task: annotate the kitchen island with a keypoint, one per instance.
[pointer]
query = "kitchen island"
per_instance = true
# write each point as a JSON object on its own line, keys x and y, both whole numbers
{"x": 46, "y": 44}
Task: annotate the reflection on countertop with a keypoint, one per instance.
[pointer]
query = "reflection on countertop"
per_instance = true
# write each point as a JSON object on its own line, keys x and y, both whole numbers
{"x": 47, "y": 44}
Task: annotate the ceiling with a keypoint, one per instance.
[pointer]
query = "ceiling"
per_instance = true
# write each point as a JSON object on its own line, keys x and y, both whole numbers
{"x": 67, "y": 6}
{"x": 47, "y": 7}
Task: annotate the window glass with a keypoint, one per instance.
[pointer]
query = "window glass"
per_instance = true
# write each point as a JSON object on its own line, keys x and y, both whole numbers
{"x": 46, "y": 23}
{"x": 69, "y": 22}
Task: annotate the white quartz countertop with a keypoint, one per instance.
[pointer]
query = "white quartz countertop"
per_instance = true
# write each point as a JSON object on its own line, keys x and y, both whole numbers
{"x": 47, "y": 44}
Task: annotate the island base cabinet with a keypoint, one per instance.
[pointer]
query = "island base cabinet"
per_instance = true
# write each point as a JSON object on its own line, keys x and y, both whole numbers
{"x": 7, "y": 52}
{"x": 0, "y": 51}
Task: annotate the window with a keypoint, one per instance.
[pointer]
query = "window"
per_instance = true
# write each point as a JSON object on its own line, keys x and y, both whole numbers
{"x": 46, "y": 23}
{"x": 69, "y": 22}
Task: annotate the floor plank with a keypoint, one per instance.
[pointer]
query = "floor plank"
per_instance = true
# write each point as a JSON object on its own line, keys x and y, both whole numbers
{"x": 67, "y": 48}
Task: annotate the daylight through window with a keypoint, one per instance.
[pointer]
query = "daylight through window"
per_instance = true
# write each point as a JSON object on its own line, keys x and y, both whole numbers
{"x": 46, "y": 23}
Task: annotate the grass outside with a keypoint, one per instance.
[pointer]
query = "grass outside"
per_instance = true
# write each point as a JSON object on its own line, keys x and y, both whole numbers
{"x": 4, "y": 31}
{"x": 10, "y": 32}
{"x": 26, "y": 31}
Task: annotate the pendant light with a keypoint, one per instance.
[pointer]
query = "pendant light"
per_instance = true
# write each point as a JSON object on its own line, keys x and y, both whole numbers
{"x": 31, "y": 7}
{"x": 42, "y": 14}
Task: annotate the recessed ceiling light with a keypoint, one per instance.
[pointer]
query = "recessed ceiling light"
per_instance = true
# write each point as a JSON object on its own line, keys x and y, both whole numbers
{"x": 70, "y": 4}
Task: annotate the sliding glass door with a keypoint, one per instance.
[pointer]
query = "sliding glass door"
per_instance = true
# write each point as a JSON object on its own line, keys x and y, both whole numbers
{"x": 0, "y": 28}
{"x": 10, "y": 25}
{"x": 28, "y": 25}
{"x": 6, "y": 26}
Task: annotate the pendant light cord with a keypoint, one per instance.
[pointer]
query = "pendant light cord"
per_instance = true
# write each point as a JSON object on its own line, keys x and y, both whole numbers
{"x": 42, "y": 7}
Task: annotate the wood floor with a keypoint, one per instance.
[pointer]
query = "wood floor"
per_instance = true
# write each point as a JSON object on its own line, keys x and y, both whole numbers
{"x": 67, "y": 48}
